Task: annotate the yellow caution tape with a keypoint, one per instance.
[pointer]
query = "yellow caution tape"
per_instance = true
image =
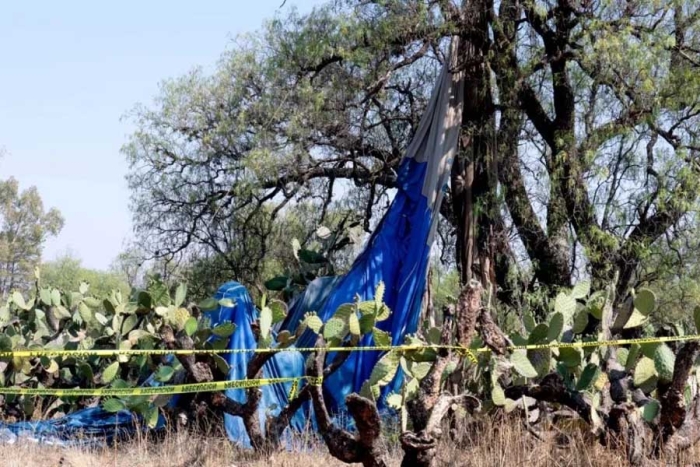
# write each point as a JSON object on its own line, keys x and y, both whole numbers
{"x": 243, "y": 384}
{"x": 386, "y": 348}
{"x": 293, "y": 391}
{"x": 609, "y": 343}
{"x": 467, "y": 353}
{"x": 135, "y": 352}
{"x": 161, "y": 390}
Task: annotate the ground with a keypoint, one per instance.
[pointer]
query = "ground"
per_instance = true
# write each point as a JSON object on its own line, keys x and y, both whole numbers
{"x": 497, "y": 444}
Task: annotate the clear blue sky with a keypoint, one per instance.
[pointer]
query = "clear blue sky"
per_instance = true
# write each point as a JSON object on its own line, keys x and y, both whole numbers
{"x": 71, "y": 70}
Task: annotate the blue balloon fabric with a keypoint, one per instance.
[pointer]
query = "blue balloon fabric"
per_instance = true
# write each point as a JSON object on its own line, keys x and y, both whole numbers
{"x": 282, "y": 365}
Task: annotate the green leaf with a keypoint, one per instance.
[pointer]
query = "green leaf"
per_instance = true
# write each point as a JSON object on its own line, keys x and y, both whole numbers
{"x": 541, "y": 359}
{"x": 311, "y": 257}
{"x": 55, "y": 297}
{"x": 367, "y": 308}
{"x": 279, "y": 311}
{"x": 384, "y": 313}
{"x": 152, "y": 416}
{"x": 164, "y": 373}
{"x": 649, "y": 349}
{"x": 650, "y": 410}
{"x": 529, "y": 321}
{"x": 180, "y": 295}
{"x": 588, "y": 376}
{"x": 296, "y": 246}
{"x": 113, "y": 405}
{"x": 664, "y": 361}
{"x": 366, "y": 323}
{"x": 394, "y": 401}
{"x": 556, "y": 325}
{"x": 334, "y": 329}
{"x": 420, "y": 370}
{"x": 102, "y": 319}
{"x": 18, "y": 300}
{"x": 344, "y": 311}
{"x": 580, "y": 322}
{"x": 52, "y": 367}
{"x": 595, "y": 307}
{"x": 160, "y": 294}
{"x": 129, "y": 323}
{"x": 208, "y": 304}
{"x": 434, "y": 336}
{"x": 85, "y": 312}
{"x": 565, "y": 304}
{"x": 696, "y": 317}
{"x": 124, "y": 345}
{"x": 634, "y": 351}
{"x": 354, "y": 325}
{"x": 645, "y": 301}
{"x": 265, "y": 322}
{"x": 511, "y": 405}
{"x": 498, "y": 396}
{"x": 385, "y": 369}
{"x": 85, "y": 371}
{"x": 581, "y": 289}
{"x": 145, "y": 300}
{"x": 622, "y": 356}
{"x": 120, "y": 384}
{"x": 110, "y": 373}
{"x": 636, "y": 319}
{"x": 381, "y": 338}
{"x": 450, "y": 368}
{"x": 522, "y": 364}
{"x": 139, "y": 336}
{"x": 224, "y": 329}
{"x": 45, "y": 295}
{"x": 277, "y": 283}
{"x": 371, "y": 392}
{"x": 379, "y": 295}
{"x": 314, "y": 323}
{"x": 191, "y": 326}
{"x": 221, "y": 363}
{"x": 227, "y": 303}
{"x": 538, "y": 334}
{"x": 109, "y": 306}
{"x": 645, "y": 376}
{"x": 92, "y": 302}
{"x": 5, "y": 342}
{"x": 570, "y": 357}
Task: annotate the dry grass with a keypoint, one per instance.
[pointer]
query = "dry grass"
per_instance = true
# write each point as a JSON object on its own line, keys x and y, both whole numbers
{"x": 494, "y": 444}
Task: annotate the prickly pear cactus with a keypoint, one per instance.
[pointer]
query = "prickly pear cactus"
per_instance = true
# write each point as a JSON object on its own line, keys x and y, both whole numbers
{"x": 50, "y": 319}
{"x": 575, "y": 316}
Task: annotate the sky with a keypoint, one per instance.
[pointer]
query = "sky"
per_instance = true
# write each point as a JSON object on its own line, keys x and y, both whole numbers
{"x": 71, "y": 71}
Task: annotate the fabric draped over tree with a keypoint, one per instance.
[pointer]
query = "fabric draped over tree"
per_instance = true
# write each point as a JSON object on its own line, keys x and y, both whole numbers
{"x": 397, "y": 254}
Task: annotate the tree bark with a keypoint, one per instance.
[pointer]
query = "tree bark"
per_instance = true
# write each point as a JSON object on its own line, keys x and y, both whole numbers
{"x": 343, "y": 445}
{"x": 429, "y": 407}
{"x": 475, "y": 174}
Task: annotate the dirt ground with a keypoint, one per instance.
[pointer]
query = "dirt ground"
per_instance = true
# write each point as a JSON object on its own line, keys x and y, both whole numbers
{"x": 496, "y": 445}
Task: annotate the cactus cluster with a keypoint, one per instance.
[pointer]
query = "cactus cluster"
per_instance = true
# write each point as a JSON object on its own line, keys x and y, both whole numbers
{"x": 575, "y": 317}
{"x": 76, "y": 320}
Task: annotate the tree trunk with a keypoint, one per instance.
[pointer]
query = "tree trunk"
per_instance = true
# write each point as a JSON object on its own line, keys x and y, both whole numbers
{"x": 474, "y": 175}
